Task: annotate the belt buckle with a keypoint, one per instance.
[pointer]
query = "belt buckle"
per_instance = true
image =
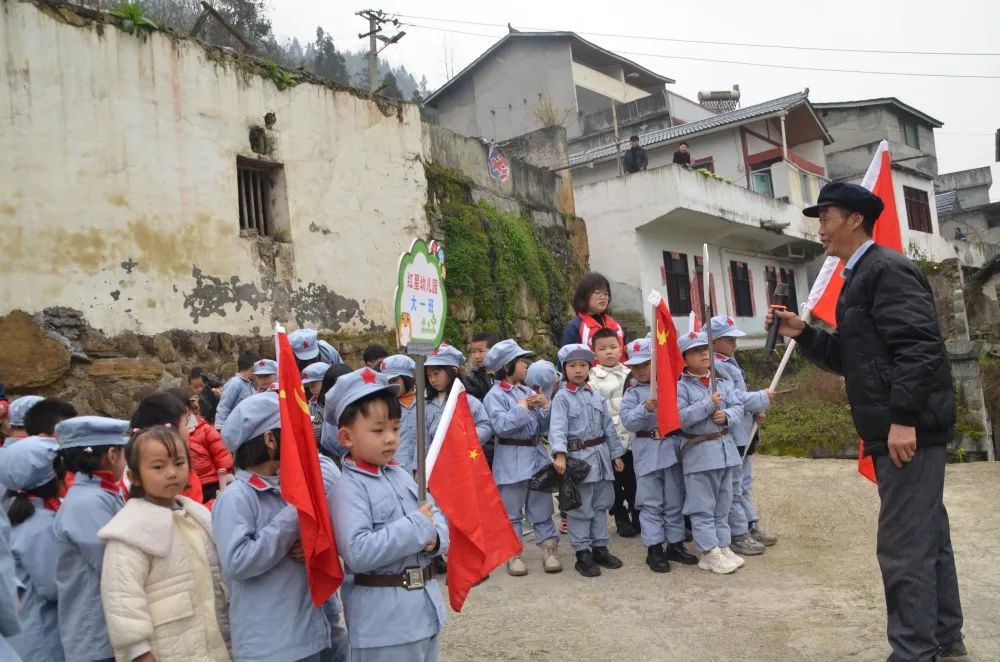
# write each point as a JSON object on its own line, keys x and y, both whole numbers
{"x": 413, "y": 579}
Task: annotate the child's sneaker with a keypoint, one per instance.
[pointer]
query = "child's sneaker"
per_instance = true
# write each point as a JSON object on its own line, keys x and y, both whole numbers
{"x": 762, "y": 536}
{"x": 746, "y": 545}
{"x": 731, "y": 556}
{"x": 516, "y": 567}
{"x": 550, "y": 556}
{"x": 714, "y": 561}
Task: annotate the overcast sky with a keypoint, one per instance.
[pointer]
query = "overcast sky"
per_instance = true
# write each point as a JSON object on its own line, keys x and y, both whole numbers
{"x": 968, "y": 107}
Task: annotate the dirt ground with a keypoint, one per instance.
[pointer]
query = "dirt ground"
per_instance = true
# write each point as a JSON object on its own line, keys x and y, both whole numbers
{"x": 816, "y": 595}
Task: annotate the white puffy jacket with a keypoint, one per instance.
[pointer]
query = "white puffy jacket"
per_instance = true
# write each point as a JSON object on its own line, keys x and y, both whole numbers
{"x": 161, "y": 585}
{"x": 610, "y": 382}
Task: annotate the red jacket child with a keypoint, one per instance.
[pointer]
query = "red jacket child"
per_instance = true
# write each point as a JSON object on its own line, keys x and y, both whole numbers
{"x": 208, "y": 454}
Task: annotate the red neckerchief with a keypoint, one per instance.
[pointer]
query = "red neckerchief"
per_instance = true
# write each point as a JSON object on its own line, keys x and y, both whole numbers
{"x": 50, "y": 503}
{"x": 589, "y": 326}
{"x": 407, "y": 399}
{"x": 109, "y": 484}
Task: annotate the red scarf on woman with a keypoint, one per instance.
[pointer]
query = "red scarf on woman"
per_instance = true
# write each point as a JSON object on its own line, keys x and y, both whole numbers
{"x": 589, "y": 326}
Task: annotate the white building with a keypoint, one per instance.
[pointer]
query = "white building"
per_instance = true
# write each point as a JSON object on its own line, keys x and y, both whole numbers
{"x": 857, "y": 128}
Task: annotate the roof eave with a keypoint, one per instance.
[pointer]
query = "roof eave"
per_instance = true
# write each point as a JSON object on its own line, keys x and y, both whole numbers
{"x": 886, "y": 101}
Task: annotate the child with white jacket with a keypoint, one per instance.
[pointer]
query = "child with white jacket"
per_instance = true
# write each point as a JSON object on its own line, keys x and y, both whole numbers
{"x": 162, "y": 584}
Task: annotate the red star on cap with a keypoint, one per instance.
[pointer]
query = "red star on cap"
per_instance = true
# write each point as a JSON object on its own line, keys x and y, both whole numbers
{"x": 382, "y": 365}
{"x": 260, "y": 363}
{"x": 692, "y": 335}
{"x": 305, "y": 343}
{"x": 635, "y": 347}
{"x": 368, "y": 376}
{"x": 730, "y": 322}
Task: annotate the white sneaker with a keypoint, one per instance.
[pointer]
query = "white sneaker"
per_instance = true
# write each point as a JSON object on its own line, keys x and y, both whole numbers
{"x": 733, "y": 558}
{"x": 714, "y": 561}
{"x": 516, "y": 567}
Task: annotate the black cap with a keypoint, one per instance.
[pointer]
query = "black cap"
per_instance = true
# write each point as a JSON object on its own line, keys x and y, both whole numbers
{"x": 849, "y": 196}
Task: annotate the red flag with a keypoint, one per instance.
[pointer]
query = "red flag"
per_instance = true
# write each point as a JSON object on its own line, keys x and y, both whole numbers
{"x": 822, "y": 301}
{"x": 301, "y": 480}
{"x": 463, "y": 486}
{"x": 669, "y": 366}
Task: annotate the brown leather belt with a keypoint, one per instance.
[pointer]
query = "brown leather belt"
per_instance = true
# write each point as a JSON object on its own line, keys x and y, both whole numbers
{"x": 692, "y": 439}
{"x": 518, "y": 442}
{"x": 647, "y": 434}
{"x": 412, "y": 579}
{"x": 580, "y": 444}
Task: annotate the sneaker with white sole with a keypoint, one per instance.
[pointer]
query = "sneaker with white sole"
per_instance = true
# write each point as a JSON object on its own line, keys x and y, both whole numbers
{"x": 762, "y": 536}
{"x": 550, "y": 556}
{"x": 516, "y": 567}
{"x": 731, "y": 556}
{"x": 746, "y": 545}
{"x": 714, "y": 561}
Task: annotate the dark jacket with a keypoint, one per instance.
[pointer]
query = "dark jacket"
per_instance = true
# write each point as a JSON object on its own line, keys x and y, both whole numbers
{"x": 478, "y": 383}
{"x": 635, "y": 159}
{"x": 889, "y": 349}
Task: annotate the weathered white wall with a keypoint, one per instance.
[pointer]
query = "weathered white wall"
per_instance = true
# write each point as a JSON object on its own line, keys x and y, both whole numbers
{"x": 120, "y": 186}
{"x": 929, "y": 245}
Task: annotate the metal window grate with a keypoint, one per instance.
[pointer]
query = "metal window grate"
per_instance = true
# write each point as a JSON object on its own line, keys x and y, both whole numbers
{"x": 254, "y": 196}
{"x": 678, "y": 282}
{"x": 739, "y": 274}
{"x": 918, "y": 209}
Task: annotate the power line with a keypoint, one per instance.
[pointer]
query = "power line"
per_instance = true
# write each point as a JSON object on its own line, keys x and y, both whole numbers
{"x": 748, "y": 64}
{"x": 712, "y": 43}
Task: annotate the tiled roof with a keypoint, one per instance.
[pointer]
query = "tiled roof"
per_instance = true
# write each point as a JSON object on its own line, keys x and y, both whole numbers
{"x": 946, "y": 202}
{"x": 738, "y": 116}
{"x": 883, "y": 101}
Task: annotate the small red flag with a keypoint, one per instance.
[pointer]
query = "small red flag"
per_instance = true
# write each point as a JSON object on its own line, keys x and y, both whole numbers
{"x": 669, "y": 366}
{"x": 866, "y": 465}
{"x": 302, "y": 481}
{"x": 462, "y": 484}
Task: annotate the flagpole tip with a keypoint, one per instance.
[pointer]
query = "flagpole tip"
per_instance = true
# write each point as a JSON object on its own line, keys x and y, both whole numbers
{"x": 655, "y": 298}
{"x": 278, "y": 328}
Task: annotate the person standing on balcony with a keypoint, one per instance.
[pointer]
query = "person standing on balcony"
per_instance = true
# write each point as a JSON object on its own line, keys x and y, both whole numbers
{"x": 635, "y": 157}
{"x": 682, "y": 156}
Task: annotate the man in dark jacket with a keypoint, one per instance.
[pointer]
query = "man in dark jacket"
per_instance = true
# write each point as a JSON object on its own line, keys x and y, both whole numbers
{"x": 888, "y": 347}
{"x": 635, "y": 157}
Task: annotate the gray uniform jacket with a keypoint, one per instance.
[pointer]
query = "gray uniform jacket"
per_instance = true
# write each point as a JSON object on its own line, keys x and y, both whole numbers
{"x": 34, "y": 546}
{"x": 754, "y": 402}
{"x": 696, "y": 408}
{"x": 380, "y": 531}
{"x": 513, "y": 464}
{"x": 648, "y": 455}
{"x": 233, "y": 392}
{"x": 581, "y": 414}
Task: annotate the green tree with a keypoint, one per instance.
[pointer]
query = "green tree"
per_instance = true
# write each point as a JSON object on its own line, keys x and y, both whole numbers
{"x": 328, "y": 62}
{"x": 389, "y": 88}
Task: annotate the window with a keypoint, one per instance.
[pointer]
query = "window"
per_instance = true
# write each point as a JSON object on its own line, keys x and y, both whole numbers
{"x": 788, "y": 278}
{"x": 675, "y": 266}
{"x": 739, "y": 272}
{"x": 806, "y": 191}
{"x": 770, "y": 282}
{"x": 708, "y": 163}
{"x": 260, "y": 193}
{"x": 910, "y": 135}
{"x": 761, "y": 182}
{"x": 918, "y": 211}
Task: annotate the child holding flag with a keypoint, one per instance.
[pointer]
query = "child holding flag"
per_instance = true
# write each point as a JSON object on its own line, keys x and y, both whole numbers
{"x": 581, "y": 426}
{"x": 441, "y": 369}
{"x": 386, "y": 537}
{"x": 257, "y": 535}
{"x": 660, "y": 480}
{"x": 708, "y": 454}
{"x": 748, "y": 536}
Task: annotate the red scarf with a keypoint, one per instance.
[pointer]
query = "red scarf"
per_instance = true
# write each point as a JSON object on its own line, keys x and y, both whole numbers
{"x": 50, "y": 503}
{"x": 589, "y": 326}
{"x": 109, "y": 484}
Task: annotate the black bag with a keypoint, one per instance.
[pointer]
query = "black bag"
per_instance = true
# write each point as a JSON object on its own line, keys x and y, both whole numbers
{"x": 548, "y": 480}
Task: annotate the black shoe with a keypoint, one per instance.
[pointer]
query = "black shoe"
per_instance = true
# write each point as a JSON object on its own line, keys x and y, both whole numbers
{"x": 688, "y": 537}
{"x": 656, "y": 559}
{"x": 677, "y": 552}
{"x": 624, "y": 527}
{"x": 954, "y": 651}
{"x": 633, "y": 516}
{"x": 606, "y": 559}
{"x": 440, "y": 565}
{"x": 585, "y": 564}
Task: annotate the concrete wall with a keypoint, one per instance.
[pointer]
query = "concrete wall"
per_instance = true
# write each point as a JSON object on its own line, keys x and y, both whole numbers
{"x": 930, "y": 245}
{"x": 857, "y": 131}
{"x": 124, "y": 202}
{"x": 684, "y": 110}
{"x": 495, "y": 101}
{"x": 973, "y": 185}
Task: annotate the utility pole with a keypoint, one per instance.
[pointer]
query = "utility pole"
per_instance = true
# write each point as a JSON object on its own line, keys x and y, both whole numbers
{"x": 376, "y": 19}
